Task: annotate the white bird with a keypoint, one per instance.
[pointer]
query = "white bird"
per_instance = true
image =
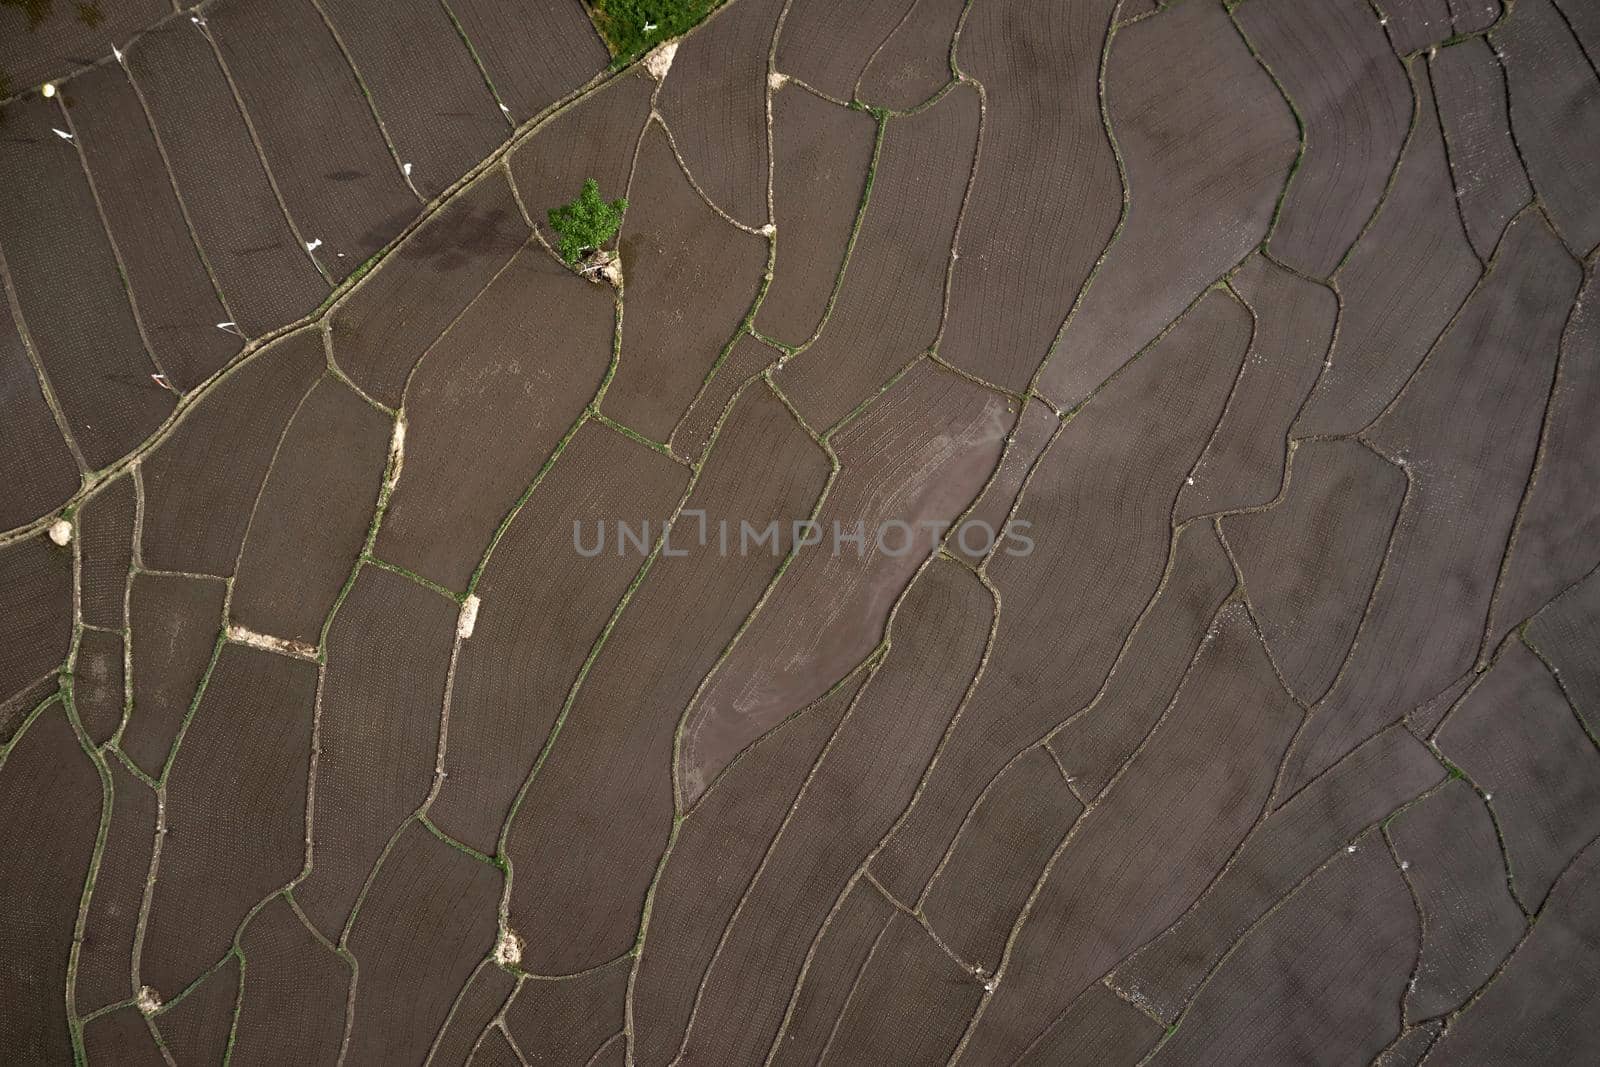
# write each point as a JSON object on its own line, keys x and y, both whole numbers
{"x": 313, "y": 244}
{"x": 63, "y": 134}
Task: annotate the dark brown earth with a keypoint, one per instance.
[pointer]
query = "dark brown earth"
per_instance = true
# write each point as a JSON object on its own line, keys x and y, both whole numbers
{"x": 1270, "y": 734}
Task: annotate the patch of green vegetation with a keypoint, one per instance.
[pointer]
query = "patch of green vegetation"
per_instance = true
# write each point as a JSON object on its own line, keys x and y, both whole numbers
{"x": 586, "y": 223}
{"x": 90, "y": 14}
{"x": 633, "y": 27}
{"x": 350, "y": 280}
{"x": 360, "y": 271}
{"x": 1456, "y": 773}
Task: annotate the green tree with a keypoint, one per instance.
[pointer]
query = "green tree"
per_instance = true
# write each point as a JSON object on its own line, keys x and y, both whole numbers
{"x": 586, "y": 223}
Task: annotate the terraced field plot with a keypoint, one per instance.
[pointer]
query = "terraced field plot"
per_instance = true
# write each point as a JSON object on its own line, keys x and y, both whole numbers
{"x": 1053, "y": 533}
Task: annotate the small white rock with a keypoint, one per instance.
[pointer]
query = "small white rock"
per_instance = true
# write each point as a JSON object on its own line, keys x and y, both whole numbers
{"x": 397, "y": 450}
{"x": 267, "y": 642}
{"x": 659, "y": 61}
{"x": 61, "y": 532}
{"x": 467, "y": 621}
{"x": 508, "y": 950}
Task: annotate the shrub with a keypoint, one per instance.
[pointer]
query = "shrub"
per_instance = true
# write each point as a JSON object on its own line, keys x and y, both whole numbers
{"x": 586, "y": 223}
